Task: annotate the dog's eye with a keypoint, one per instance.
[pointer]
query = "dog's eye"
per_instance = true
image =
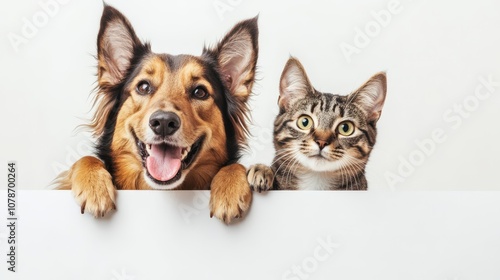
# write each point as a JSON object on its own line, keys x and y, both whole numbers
{"x": 200, "y": 93}
{"x": 144, "y": 88}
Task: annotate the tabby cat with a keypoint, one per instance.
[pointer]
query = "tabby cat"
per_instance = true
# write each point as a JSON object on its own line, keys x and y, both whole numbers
{"x": 322, "y": 140}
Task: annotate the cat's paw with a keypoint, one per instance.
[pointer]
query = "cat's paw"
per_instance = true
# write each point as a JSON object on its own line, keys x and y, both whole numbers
{"x": 230, "y": 196}
{"x": 260, "y": 177}
{"x": 92, "y": 187}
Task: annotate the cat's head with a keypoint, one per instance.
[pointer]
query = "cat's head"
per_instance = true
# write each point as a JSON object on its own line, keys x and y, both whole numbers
{"x": 327, "y": 132}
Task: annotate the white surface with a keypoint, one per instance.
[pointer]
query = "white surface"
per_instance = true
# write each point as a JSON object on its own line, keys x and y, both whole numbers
{"x": 434, "y": 53}
{"x": 377, "y": 235}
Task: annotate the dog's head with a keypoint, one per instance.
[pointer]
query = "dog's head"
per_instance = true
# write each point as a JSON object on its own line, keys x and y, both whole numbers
{"x": 162, "y": 119}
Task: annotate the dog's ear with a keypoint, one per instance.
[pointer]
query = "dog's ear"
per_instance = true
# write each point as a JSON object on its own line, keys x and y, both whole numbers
{"x": 236, "y": 55}
{"x": 294, "y": 84}
{"x": 116, "y": 45}
{"x": 370, "y": 97}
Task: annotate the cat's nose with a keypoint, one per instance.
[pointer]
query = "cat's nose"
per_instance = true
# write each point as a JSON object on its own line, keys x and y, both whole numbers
{"x": 322, "y": 144}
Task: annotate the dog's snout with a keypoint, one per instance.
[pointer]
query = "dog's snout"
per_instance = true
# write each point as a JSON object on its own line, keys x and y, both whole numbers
{"x": 164, "y": 123}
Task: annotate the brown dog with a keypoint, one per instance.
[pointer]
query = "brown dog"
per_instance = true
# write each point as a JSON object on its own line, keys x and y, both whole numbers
{"x": 168, "y": 121}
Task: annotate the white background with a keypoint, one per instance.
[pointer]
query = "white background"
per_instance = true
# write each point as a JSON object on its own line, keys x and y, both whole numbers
{"x": 434, "y": 54}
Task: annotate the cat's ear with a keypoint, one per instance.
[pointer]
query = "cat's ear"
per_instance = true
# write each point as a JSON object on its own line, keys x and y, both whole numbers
{"x": 370, "y": 97}
{"x": 116, "y": 44}
{"x": 294, "y": 84}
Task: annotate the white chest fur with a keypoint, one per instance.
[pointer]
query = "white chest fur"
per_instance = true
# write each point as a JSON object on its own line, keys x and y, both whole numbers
{"x": 315, "y": 181}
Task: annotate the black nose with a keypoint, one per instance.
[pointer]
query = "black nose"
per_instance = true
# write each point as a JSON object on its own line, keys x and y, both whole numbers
{"x": 164, "y": 123}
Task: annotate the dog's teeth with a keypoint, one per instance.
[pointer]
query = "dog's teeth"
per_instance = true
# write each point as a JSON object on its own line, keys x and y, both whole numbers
{"x": 184, "y": 153}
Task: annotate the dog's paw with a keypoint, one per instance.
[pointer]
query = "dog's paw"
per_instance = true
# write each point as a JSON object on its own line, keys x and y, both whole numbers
{"x": 92, "y": 187}
{"x": 230, "y": 195}
{"x": 260, "y": 177}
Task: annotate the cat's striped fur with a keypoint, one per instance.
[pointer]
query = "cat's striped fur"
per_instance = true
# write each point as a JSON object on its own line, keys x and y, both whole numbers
{"x": 322, "y": 140}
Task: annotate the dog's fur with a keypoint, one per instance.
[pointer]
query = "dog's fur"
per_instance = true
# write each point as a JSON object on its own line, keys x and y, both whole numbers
{"x": 207, "y": 93}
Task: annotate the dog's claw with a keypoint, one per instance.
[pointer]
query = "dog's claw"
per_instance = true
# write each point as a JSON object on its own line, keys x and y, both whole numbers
{"x": 114, "y": 206}
{"x": 82, "y": 210}
{"x": 211, "y": 214}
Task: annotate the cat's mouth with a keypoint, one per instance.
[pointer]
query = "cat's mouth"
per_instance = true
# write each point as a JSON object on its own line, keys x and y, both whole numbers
{"x": 318, "y": 156}
{"x": 322, "y": 155}
{"x": 320, "y": 163}
{"x": 323, "y": 159}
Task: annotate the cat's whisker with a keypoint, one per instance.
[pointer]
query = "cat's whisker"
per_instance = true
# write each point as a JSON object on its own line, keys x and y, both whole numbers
{"x": 281, "y": 155}
{"x": 293, "y": 169}
{"x": 356, "y": 162}
{"x": 353, "y": 174}
{"x": 289, "y": 170}
{"x": 286, "y": 170}
{"x": 284, "y": 152}
{"x": 355, "y": 166}
{"x": 342, "y": 174}
{"x": 345, "y": 171}
{"x": 285, "y": 161}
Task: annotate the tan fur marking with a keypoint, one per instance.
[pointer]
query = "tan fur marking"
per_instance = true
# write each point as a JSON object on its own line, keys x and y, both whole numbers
{"x": 91, "y": 185}
{"x": 230, "y": 194}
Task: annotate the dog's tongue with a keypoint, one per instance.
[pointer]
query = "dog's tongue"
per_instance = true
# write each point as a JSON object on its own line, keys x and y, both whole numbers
{"x": 164, "y": 162}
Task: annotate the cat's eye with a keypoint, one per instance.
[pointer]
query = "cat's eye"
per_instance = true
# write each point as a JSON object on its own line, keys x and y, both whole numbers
{"x": 305, "y": 122}
{"x": 346, "y": 128}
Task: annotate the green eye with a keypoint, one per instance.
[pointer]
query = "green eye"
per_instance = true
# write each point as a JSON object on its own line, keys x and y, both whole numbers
{"x": 346, "y": 128}
{"x": 304, "y": 122}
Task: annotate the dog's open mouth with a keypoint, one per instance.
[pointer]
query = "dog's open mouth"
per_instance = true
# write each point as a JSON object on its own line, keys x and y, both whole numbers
{"x": 164, "y": 162}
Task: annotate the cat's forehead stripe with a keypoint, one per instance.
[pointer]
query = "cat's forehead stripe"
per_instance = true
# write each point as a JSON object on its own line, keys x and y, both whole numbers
{"x": 335, "y": 107}
{"x": 314, "y": 104}
{"x": 327, "y": 103}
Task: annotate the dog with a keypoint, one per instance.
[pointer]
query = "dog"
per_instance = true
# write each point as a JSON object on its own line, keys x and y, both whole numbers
{"x": 168, "y": 121}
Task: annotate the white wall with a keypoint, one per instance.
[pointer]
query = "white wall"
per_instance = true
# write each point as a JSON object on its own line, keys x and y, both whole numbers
{"x": 435, "y": 54}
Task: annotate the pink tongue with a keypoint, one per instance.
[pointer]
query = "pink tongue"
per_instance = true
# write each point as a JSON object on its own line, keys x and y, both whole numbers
{"x": 164, "y": 162}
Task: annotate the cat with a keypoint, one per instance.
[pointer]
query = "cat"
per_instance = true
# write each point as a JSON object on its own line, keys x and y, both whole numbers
{"x": 322, "y": 140}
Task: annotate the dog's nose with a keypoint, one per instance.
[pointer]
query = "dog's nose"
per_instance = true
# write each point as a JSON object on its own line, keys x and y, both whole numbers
{"x": 164, "y": 123}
